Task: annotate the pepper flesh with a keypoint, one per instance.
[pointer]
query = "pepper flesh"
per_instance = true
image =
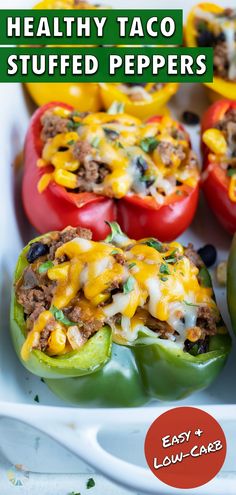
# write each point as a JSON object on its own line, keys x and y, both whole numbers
{"x": 90, "y": 358}
{"x": 142, "y": 109}
{"x": 56, "y": 208}
{"x": 215, "y": 182}
{"x": 83, "y": 96}
{"x": 155, "y": 368}
{"x": 219, "y": 88}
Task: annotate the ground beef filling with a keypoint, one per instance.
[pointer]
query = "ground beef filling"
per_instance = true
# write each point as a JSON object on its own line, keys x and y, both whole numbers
{"x": 92, "y": 170}
{"x": 206, "y": 38}
{"x": 228, "y": 126}
{"x": 34, "y": 291}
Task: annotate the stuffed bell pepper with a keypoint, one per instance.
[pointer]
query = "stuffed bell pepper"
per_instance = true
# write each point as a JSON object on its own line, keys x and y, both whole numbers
{"x": 82, "y": 169}
{"x": 85, "y": 96}
{"x": 211, "y": 25}
{"x": 219, "y": 163}
{"x": 116, "y": 322}
{"x": 231, "y": 283}
{"x": 141, "y": 100}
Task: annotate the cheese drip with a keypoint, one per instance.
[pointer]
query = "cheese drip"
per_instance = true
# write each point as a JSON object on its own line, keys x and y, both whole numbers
{"x": 152, "y": 280}
{"x": 127, "y": 148}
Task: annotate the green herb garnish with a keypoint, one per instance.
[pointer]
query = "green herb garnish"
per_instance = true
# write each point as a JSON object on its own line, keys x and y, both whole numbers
{"x": 115, "y": 230}
{"x": 74, "y": 493}
{"x": 231, "y": 172}
{"x": 71, "y": 125}
{"x": 149, "y": 144}
{"x": 59, "y": 316}
{"x": 164, "y": 279}
{"x": 129, "y": 285}
{"x": 164, "y": 269}
{"x": 44, "y": 267}
{"x": 36, "y": 398}
{"x": 155, "y": 245}
{"x": 171, "y": 258}
{"x": 191, "y": 304}
{"x": 115, "y": 108}
{"x": 115, "y": 251}
{"x": 90, "y": 483}
{"x": 95, "y": 141}
{"x": 131, "y": 265}
{"x": 70, "y": 143}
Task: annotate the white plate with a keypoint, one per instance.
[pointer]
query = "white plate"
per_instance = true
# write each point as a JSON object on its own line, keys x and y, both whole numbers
{"x": 109, "y": 440}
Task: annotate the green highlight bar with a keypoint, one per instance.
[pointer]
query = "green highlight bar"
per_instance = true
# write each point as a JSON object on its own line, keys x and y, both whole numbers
{"x": 93, "y": 27}
{"x": 106, "y": 65}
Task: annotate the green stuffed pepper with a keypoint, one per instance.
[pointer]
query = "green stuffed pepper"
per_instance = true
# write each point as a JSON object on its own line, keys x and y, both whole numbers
{"x": 116, "y": 322}
{"x": 231, "y": 283}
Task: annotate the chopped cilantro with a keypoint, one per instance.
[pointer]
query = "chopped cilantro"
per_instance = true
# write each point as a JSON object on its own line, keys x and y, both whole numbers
{"x": 115, "y": 108}
{"x": 164, "y": 269}
{"x": 179, "y": 192}
{"x": 115, "y": 230}
{"x": 128, "y": 285}
{"x": 146, "y": 178}
{"x": 164, "y": 279}
{"x": 74, "y": 493}
{"x": 95, "y": 141}
{"x": 75, "y": 113}
{"x": 42, "y": 380}
{"x": 155, "y": 244}
{"x": 59, "y": 316}
{"x": 90, "y": 483}
{"x": 36, "y": 398}
{"x": 171, "y": 258}
{"x": 131, "y": 265}
{"x": 149, "y": 144}
{"x": 71, "y": 125}
{"x": 70, "y": 143}
{"x": 191, "y": 304}
{"x": 44, "y": 267}
{"x": 115, "y": 251}
{"x": 231, "y": 172}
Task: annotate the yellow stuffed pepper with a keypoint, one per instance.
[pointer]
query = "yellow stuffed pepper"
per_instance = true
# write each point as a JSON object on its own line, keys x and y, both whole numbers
{"x": 211, "y": 25}
{"x": 85, "y": 96}
{"x": 140, "y": 100}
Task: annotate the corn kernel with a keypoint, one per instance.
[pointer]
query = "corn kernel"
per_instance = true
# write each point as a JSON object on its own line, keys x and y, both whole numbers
{"x": 193, "y": 334}
{"x": 41, "y": 163}
{"x": 56, "y": 341}
{"x": 44, "y": 182}
{"x": 65, "y": 178}
{"x": 232, "y": 188}
{"x": 61, "y": 112}
{"x": 215, "y": 141}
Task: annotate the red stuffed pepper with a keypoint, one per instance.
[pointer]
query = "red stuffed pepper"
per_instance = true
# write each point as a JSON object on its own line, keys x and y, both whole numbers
{"x": 219, "y": 164}
{"x": 84, "y": 169}
{"x": 54, "y": 204}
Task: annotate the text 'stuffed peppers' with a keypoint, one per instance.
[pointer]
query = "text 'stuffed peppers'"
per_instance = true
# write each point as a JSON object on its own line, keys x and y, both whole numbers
{"x": 72, "y": 297}
{"x": 211, "y": 25}
{"x": 84, "y": 169}
{"x": 219, "y": 162}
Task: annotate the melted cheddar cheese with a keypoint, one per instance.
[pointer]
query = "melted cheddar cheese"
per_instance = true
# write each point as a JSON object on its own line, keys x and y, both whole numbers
{"x": 148, "y": 159}
{"x": 152, "y": 280}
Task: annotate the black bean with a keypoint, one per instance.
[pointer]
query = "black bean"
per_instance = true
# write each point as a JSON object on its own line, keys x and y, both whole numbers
{"x": 190, "y": 118}
{"x": 111, "y": 134}
{"x": 208, "y": 254}
{"x": 203, "y": 345}
{"x": 188, "y": 345}
{"x": 141, "y": 164}
{"x": 205, "y": 38}
{"x": 149, "y": 182}
{"x": 36, "y": 250}
{"x": 220, "y": 37}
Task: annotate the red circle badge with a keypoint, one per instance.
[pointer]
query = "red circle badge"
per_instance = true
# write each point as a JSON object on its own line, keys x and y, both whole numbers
{"x": 185, "y": 447}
